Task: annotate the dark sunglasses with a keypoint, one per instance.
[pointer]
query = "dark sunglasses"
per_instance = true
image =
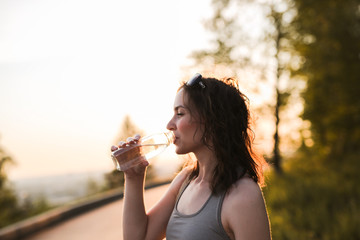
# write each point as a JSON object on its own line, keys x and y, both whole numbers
{"x": 196, "y": 79}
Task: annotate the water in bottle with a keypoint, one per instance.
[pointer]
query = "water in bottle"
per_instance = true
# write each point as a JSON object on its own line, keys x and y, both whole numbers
{"x": 148, "y": 147}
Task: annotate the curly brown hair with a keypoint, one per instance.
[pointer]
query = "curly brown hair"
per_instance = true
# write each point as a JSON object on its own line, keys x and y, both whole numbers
{"x": 225, "y": 113}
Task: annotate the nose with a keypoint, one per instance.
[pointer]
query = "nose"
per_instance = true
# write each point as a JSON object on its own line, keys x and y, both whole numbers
{"x": 171, "y": 125}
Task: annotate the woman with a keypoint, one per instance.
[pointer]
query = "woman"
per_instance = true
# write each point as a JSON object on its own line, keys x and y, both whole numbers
{"x": 219, "y": 197}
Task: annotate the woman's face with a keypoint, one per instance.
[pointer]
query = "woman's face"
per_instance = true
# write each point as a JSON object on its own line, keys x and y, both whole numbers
{"x": 188, "y": 131}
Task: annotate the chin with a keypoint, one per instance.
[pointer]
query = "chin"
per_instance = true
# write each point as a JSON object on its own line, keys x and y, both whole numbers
{"x": 180, "y": 151}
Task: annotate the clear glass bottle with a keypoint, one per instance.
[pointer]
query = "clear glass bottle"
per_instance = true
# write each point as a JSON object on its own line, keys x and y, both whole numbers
{"x": 148, "y": 147}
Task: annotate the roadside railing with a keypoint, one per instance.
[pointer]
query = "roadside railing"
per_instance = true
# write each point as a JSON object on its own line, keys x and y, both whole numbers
{"x": 52, "y": 217}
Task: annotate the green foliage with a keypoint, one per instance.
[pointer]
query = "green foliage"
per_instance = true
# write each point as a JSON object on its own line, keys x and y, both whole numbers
{"x": 318, "y": 195}
{"x": 11, "y": 209}
{"x": 312, "y": 200}
{"x": 8, "y": 202}
{"x": 114, "y": 179}
{"x": 5, "y": 160}
{"x": 329, "y": 41}
{"x": 268, "y": 53}
{"x": 32, "y": 206}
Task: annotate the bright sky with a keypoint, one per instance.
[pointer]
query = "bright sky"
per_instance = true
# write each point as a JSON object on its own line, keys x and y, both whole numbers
{"x": 71, "y": 70}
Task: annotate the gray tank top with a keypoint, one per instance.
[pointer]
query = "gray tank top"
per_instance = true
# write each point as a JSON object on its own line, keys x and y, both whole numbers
{"x": 202, "y": 225}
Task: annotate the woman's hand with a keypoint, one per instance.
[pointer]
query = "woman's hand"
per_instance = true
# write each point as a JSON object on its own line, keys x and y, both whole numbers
{"x": 139, "y": 169}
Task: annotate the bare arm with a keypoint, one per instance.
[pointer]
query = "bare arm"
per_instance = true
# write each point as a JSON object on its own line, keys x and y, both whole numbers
{"x": 137, "y": 224}
{"x": 159, "y": 214}
{"x": 134, "y": 216}
{"x": 244, "y": 213}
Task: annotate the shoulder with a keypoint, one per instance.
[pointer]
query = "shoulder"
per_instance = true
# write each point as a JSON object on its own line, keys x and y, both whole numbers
{"x": 179, "y": 179}
{"x": 244, "y": 213}
{"x": 245, "y": 196}
{"x": 244, "y": 192}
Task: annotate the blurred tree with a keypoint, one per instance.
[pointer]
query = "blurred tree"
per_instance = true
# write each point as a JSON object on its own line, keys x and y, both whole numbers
{"x": 279, "y": 37}
{"x": 128, "y": 128}
{"x": 11, "y": 210}
{"x": 8, "y": 201}
{"x": 5, "y": 159}
{"x": 328, "y": 39}
{"x": 236, "y": 48}
{"x": 318, "y": 196}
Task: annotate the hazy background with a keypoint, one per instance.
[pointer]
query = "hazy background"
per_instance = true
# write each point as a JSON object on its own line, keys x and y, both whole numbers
{"x": 71, "y": 70}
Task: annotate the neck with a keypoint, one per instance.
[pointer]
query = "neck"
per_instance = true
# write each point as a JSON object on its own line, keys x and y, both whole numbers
{"x": 207, "y": 163}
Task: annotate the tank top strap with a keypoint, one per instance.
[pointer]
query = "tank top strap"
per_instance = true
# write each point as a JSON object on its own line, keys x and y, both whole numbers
{"x": 204, "y": 224}
{"x": 218, "y": 211}
{"x": 182, "y": 188}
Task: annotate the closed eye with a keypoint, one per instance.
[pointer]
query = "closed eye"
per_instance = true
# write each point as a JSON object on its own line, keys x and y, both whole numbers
{"x": 179, "y": 111}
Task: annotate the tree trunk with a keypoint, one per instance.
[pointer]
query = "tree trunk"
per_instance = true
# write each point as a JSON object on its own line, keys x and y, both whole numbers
{"x": 276, "y": 151}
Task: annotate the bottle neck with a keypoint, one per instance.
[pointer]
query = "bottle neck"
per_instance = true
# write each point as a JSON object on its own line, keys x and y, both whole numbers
{"x": 170, "y": 136}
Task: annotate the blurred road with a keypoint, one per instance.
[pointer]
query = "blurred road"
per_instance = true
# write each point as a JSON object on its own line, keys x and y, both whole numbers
{"x": 103, "y": 223}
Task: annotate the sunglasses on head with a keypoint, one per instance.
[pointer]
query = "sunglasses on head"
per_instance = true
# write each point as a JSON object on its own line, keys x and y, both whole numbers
{"x": 196, "y": 79}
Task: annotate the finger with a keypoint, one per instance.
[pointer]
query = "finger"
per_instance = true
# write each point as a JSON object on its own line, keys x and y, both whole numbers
{"x": 122, "y": 144}
{"x": 145, "y": 163}
{"x": 114, "y": 148}
{"x": 137, "y": 137}
{"x": 130, "y": 140}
